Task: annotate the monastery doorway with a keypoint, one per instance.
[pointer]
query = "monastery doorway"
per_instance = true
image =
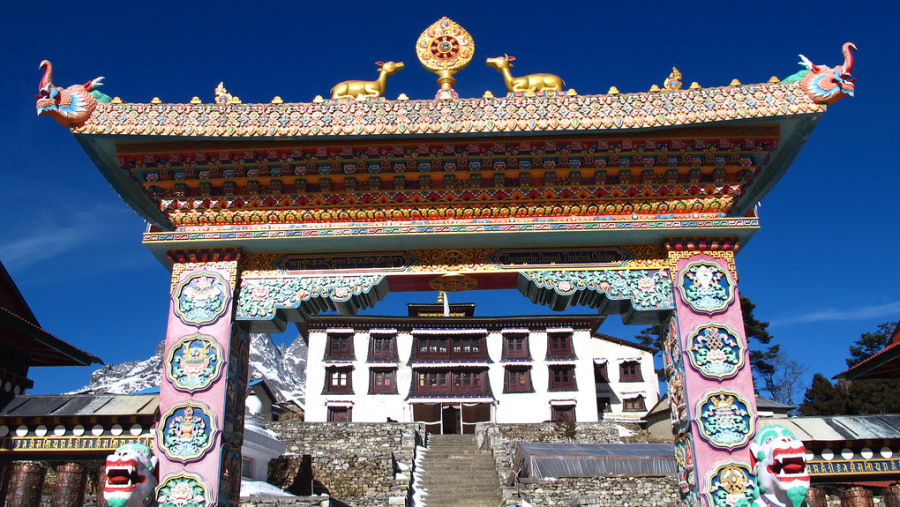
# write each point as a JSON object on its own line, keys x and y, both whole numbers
{"x": 451, "y": 421}
{"x": 451, "y": 418}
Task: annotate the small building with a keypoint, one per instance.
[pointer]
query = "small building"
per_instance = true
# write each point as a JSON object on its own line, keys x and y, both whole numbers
{"x": 444, "y": 367}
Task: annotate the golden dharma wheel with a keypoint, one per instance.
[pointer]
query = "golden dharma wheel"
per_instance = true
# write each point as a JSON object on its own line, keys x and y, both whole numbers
{"x": 445, "y": 47}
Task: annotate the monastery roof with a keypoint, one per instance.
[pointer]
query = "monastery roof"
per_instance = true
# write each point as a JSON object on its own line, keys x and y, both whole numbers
{"x": 21, "y": 331}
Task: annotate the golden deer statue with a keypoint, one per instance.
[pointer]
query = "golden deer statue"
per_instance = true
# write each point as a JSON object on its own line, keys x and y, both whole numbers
{"x": 361, "y": 89}
{"x": 529, "y": 83}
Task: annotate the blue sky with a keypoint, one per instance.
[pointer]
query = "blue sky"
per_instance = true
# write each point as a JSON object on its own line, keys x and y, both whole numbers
{"x": 822, "y": 269}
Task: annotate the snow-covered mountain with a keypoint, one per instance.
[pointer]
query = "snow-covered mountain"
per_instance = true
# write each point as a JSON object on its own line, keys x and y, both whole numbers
{"x": 282, "y": 367}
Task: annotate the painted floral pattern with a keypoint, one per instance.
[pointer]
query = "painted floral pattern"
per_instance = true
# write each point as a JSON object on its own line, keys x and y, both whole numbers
{"x": 716, "y": 352}
{"x": 201, "y": 299}
{"x": 645, "y": 289}
{"x": 260, "y": 298}
{"x": 183, "y": 490}
{"x": 706, "y": 287}
{"x": 725, "y": 420}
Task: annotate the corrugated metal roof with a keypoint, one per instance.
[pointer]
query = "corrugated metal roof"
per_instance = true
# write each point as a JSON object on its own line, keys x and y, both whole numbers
{"x": 844, "y": 427}
{"x": 81, "y": 405}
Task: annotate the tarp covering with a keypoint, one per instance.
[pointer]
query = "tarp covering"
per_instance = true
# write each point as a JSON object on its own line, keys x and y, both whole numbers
{"x": 594, "y": 460}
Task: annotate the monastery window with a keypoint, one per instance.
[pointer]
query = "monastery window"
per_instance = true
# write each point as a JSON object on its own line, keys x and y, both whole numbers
{"x": 450, "y": 382}
{"x": 559, "y": 346}
{"x": 383, "y": 347}
{"x": 340, "y": 346}
{"x": 461, "y": 348}
{"x": 340, "y": 414}
{"x": 338, "y": 381}
{"x": 515, "y": 347}
{"x": 630, "y": 371}
{"x": 383, "y": 381}
{"x": 562, "y": 378}
{"x": 518, "y": 380}
{"x": 604, "y": 405}
{"x": 634, "y": 405}
{"x": 562, "y": 413}
{"x": 601, "y": 375}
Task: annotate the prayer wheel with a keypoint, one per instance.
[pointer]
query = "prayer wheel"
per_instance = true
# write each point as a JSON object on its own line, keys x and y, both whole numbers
{"x": 26, "y": 485}
{"x": 816, "y": 497}
{"x": 70, "y": 483}
{"x": 857, "y": 497}
{"x": 892, "y": 495}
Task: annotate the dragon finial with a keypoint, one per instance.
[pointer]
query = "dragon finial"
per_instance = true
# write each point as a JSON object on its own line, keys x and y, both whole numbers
{"x": 70, "y": 106}
{"x": 824, "y": 84}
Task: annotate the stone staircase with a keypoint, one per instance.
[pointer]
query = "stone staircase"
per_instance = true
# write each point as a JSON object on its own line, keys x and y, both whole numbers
{"x": 457, "y": 473}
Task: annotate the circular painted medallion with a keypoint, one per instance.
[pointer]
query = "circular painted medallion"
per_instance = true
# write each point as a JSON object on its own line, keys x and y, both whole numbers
{"x": 201, "y": 298}
{"x": 183, "y": 489}
{"x": 445, "y": 46}
{"x": 453, "y": 283}
{"x": 187, "y": 432}
{"x": 706, "y": 287}
{"x": 194, "y": 363}
{"x": 725, "y": 420}
{"x": 730, "y": 484}
{"x": 716, "y": 351}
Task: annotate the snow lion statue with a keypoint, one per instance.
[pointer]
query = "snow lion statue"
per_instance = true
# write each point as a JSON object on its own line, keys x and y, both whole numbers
{"x": 779, "y": 462}
{"x": 130, "y": 481}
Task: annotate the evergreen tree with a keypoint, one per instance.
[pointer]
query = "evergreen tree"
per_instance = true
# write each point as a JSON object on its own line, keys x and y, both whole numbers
{"x": 824, "y": 398}
{"x": 870, "y": 343}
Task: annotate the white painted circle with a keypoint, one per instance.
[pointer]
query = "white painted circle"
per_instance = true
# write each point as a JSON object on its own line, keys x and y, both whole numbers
{"x": 810, "y": 456}
{"x": 136, "y": 429}
{"x": 97, "y": 430}
{"x": 827, "y": 454}
{"x": 866, "y": 453}
{"x": 21, "y": 431}
{"x": 17, "y": 389}
{"x": 41, "y": 431}
{"x": 886, "y": 452}
{"x": 7, "y": 386}
{"x": 116, "y": 429}
{"x": 846, "y": 453}
{"x": 59, "y": 430}
{"x": 4, "y": 430}
{"x": 78, "y": 430}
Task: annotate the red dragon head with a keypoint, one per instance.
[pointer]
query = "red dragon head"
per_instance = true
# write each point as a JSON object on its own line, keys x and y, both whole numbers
{"x": 70, "y": 106}
{"x": 826, "y": 85}
{"x": 130, "y": 480}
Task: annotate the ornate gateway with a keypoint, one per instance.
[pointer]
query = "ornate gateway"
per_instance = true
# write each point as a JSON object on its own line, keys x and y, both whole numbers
{"x": 631, "y": 203}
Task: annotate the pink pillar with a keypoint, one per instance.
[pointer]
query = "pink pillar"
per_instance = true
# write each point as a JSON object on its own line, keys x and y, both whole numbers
{"x": 707, "y": 365}
{"x": 200, "y": 431}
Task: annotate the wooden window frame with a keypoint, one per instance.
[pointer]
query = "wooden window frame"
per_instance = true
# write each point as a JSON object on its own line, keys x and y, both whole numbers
{"x": 562, "y": 413}
{"x": 450, "y": 381}
{"x": 517, "y": 379}
{"x": 562, "y": 378}
{"x": 601, "y": 373}
{"x": 636, "y": 404}
{"x": 511, "y": 351}
{"x": 333, "y": 384}
{"x": 559, "y": 346}
{"x": 332, "y": 411}
{"x": 451, "y": 348}
{"x": 383, "y": 381}
{"x": 335, "y": 350}
{"x": 386, "y": 348}
{"x": 630, "y": 371}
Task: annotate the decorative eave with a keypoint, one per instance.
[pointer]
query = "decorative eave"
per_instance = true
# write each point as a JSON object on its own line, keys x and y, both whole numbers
{"x": 220, "y": 126}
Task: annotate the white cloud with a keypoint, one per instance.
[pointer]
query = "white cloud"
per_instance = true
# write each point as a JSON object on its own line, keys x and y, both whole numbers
{"x": 44, "y": 237}
{"x": 890, "y": 310}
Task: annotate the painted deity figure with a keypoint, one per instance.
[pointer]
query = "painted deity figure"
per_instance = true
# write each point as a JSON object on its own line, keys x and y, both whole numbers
{"x": 130, "y": 481}
{"x": 186, "y": 434}
{"x": 705, "y": 292}
{"x": 779, "y": 461}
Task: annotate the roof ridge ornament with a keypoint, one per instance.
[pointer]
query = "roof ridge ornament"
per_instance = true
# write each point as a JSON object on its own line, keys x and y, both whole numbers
{"x": 528, "y": 84}
{"x": 445, "y": 48}
{"x": 824, "y": 84}
{"x": 71, "y": 106}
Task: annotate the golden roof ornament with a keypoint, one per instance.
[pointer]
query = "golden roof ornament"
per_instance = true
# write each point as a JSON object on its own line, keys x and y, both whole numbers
{"x": 673, "y": 82}
{"x": 445, "y": 48}
{"x": 356, "y": 89}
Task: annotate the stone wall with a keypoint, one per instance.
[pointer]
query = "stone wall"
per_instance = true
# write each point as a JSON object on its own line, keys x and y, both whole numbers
{"x": 502, "y": 440}
{"x": 354, "y": 463}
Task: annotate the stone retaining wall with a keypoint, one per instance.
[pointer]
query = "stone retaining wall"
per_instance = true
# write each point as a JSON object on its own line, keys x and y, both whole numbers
{"x": 354, "y": 463}
{"x": 502, "y": 439}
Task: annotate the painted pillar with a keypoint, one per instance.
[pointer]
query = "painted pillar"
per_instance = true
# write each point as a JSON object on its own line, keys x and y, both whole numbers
{"x": 26, "y": 484}
{"x": 710, "y": 389}
{"x": 70, "y": 484}
{"x": 200, "y": 431}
